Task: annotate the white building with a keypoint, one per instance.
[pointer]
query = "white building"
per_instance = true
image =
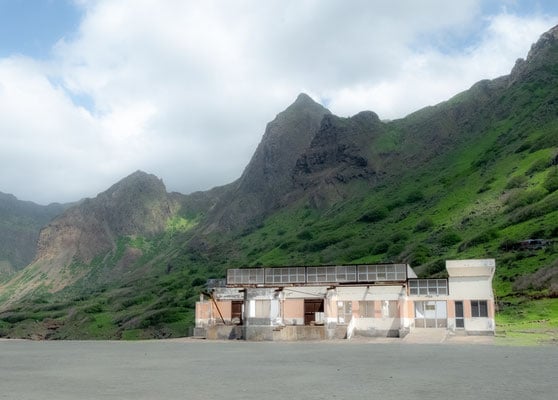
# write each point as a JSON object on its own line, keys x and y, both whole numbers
{"x": 327, "y": 302}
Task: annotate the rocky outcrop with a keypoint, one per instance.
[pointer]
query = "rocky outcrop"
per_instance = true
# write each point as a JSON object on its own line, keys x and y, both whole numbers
{"x": 20, "y": 223}
{"x": 267, "y": 178}
{"x": 137, "y": 205}
{"x": 541, "y": 60}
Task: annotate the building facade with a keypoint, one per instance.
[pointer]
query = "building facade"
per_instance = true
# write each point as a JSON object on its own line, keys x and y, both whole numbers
{"x": 335, "y": 302}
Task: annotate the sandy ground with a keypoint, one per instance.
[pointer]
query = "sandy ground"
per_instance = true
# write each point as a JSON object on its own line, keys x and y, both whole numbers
{"x": 198, "y": 369}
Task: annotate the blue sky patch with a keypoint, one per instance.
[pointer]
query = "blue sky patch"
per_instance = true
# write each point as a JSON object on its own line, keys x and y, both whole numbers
{"x": 32, "y": 27}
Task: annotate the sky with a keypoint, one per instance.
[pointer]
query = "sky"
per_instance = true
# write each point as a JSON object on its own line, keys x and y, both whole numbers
{"x": 93, "y": 90}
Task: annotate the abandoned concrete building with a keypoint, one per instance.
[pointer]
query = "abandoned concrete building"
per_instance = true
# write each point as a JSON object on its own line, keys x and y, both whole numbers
{"x": 336, "y": 302}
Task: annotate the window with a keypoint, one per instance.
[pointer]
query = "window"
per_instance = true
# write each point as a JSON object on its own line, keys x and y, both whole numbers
{"x": 366, "y": 309}
{"x": 389, "y": 309}
{"x": 382, "y": 272}
{"x": 321, "y": 274}
{"x": 479, "y": 308}
{"x": 427, "y": 287}
{"x": 245, "y": 276}
{"x": 262, "y": 308}
{"x": 285, "y": 275}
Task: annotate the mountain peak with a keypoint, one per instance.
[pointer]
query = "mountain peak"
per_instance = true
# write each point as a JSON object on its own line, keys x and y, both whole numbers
{"x": 542, "y": 53}
{"x": 267, "y": 177}
{"x": 304, "y": 98}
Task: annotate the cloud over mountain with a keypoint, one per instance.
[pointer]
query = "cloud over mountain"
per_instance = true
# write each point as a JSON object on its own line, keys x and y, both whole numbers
{"x": 183, "y": 89}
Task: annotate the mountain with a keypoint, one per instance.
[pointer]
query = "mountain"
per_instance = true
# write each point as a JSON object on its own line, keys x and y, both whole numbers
{"x": 473, "y": 177}
{"x": 267, "y": 178}
{"x": 137, "y": 205}
{"x": 20, "y": 222}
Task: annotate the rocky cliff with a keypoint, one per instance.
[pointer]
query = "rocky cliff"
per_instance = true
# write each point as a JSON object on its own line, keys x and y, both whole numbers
{"x": 137, "y": 205}
{"x": 267, "y": 178}
{"x": 20, "y": 222}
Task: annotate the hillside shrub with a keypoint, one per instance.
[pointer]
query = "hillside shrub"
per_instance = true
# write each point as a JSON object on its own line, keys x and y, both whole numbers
{"x": 399, "y": 237}
{"x": 536, "y": 210}
{"x": 94, "y": 308}
{"x": 538, "y": 166}
{"x": 449, "y": 238}
{"x": 380, "y": 248}
{"x": 482, "y": 238}
{"x": 517, "y": 181}
{"x": 487, "y": 185}
{"x": 524, "y": 198}
{"x": 395, "y": 204}
{"x": 424, "y": 224}
{"x": 434, "y": 268}
{"x": 199, "y": 281}
{"x": 419, "y": 255}
{"x": 374, "y": 215}
{"x": 287, "y": 245}
{"x": 523, "y": 147}
{"x": 414, "y": 196}
{"x": 164, "y": 316}
{"x": 305, "y": 235}
{"x": 318, "y": 245}
{"x": 394, "y": 251}
{"x": 551, "y": 181}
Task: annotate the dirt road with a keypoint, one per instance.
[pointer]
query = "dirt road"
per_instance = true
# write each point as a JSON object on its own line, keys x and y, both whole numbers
{"x": 240, "y": 370}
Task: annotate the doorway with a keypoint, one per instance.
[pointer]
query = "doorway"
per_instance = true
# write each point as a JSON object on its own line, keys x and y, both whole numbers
{"x": 431, "y": 314}
{"x": 459, "y": 319}
{"x": 236, "y": 312}
{"x": 311, "y": 307}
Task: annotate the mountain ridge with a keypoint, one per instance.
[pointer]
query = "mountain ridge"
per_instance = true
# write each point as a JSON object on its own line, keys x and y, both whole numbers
{"x": 469, "y": 177}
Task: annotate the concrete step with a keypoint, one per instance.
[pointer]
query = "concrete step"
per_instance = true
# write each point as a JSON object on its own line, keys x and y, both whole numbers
{"x": 426, "y": 335}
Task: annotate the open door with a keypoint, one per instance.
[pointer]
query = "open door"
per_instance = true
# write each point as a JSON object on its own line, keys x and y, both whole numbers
{"x": 311, "y": 307}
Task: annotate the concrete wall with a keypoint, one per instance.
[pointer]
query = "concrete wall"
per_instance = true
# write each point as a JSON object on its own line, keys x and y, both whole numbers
{"x": 377, "y": 327}
{"x": 472, "y": 288}
{"x": 293, "y": 312}
{"x": 224, "y": 332}
{"x": 293, "y": 333}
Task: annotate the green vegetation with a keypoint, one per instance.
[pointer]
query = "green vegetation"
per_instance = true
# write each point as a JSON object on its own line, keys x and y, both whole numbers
{"x": 469, "y": 178}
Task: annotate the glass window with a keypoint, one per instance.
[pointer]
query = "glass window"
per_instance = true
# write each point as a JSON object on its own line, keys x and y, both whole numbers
{"x": 479, "y": 308}
{"x": 427, "y": 287}
{"x": 366, "y": 309}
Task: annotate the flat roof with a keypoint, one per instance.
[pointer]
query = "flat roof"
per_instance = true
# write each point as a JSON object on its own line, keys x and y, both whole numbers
{"x": 474, "y": 267}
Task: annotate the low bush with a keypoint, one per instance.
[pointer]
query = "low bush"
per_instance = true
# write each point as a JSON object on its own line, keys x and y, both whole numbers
{"x": 374, "y": 215}
{"x": 434, "y": 268}
{"x": 424, "y": 224}
{"x": 517, "y": 181}
{"x": 482, "y": 238}
{"x": 524, "y": 198}
{"x": 399, "y": 237}
{"x": 305, "y": 235}
{"x": 551, "y": 181}
{"x": 419, "y": 255}
{"x": 380, "y": 248}
{"x": 449, "y": 238}
{"x": 414, "y": 197}
{"x": 538, "y": 166}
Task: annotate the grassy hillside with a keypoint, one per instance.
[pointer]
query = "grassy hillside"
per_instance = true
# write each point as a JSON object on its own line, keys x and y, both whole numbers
{"x": 477, "y": 201}
{"x": 473, "y": 177}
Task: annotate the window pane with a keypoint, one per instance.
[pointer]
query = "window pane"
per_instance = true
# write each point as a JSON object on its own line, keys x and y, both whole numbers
{"x": 483, "y": 309}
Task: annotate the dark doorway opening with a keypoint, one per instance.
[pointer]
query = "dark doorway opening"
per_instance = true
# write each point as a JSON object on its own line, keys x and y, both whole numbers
{"x": 459, "y": 320}
{"x": 236, "y": 312}
{"x": 311, "y": 307}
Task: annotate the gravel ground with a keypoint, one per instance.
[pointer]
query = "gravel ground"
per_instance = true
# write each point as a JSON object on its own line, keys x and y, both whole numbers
{"x": 239, "y": 370}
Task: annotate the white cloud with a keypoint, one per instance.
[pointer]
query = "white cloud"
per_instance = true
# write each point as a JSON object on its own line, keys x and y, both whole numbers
{"x": 184, "y": 89}
{"x": 428, "y": 76}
